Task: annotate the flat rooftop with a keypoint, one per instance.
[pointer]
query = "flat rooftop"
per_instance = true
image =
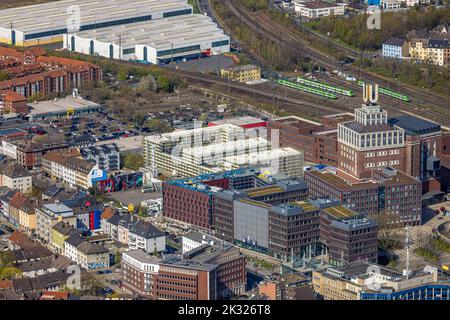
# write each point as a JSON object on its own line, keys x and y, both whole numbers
{"x": 265, "y": 156}
{"x": 263, "y": 191}
{"x": 239, "y": 121}
{"x": 305, "y": 205}
{"x": 315, "y": 4}
{"x": 295, "y": 121}
{"x": 142, "y": 256}
{"x": 339, "y": 212}
{"x": 414, "y": 126}
{"x": 160, "y": 33}
{"x": 125, "y": 144}
{"x": 361, "y": 128}
{"x": 61, "y": 105}
{"x": 342, "y": 184}
{"x": 54, "y": 15}
{"x": 175, "y": 261}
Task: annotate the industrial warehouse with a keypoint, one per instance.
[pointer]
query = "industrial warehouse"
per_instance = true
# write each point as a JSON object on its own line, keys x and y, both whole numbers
{"x": 49, "y": 22}
{"x": 158, "y": 41}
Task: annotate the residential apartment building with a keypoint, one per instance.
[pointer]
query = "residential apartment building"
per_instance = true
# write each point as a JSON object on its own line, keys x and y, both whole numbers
{"x": 390, "y": 5}
{"x": 143, "y": 235}
{"x": 92, "y": 256}
{"x": 48, "y": 215}
{"x": 29, "y": 154}
{"x": 395, "y": 48}
{"x": 27, "y": 216}
{"x": 134, "y": 232}
{"x": 430, "y": 46}
{"x": 242, "y": 74}
{"x": 12, "y": 102}
{"x": 60, "y": 232}
{"x": 70, "y": 247}
{"x": 15, "y": 206}
{"x": 34, "y": 73}
{"x": 15, "y": 176}
{"x": 72, "y": 170}
{"x": 105, "y": 156}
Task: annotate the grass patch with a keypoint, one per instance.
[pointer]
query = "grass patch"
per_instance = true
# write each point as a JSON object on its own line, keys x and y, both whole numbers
{"x": 427, "y": 254}
{"x": 194, "y": 5}
{"x": 440, "y": 245}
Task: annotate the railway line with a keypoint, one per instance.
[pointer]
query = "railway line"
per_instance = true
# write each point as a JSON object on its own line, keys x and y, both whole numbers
{"x": 430, "y": 104}
{"x": 273, "y": 94}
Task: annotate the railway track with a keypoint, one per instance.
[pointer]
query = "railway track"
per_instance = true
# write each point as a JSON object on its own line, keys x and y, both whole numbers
{"x": 288, "y": 102}
{"x": 434, "y": 106}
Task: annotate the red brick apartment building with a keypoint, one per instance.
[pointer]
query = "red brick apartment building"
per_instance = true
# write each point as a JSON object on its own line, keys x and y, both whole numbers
{"x": 12, "y": 102}
{"x": 29, "y": 154}
{"x": 34, "y": 72}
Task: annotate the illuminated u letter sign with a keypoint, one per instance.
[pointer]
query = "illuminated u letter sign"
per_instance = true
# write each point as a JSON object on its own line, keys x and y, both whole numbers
{"x": 370, "y": 93}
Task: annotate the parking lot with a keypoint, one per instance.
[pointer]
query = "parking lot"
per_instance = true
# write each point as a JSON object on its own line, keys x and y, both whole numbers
{"x": 135, "y": 196}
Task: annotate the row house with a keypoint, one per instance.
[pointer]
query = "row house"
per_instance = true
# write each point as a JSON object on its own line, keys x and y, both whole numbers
{"x": 35, "y": 73}
{"x": 87, "y": 255}
{"x": 73, "y": 171}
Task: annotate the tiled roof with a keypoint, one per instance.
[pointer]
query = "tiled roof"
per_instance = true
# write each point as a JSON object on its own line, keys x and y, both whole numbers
{"x": 395, "y": 42}
{"x": 13, "y": 96}
{"x": 91, "y": 248}
{"x": 107, "y": 213}
{"x": 5, "y": 284}
{"x": 14, "y": 170}
{"x": 74, "y": 240}
{"x": 18, "y": 200}
{"x": 64, "y": 228}
{"x": 146, "y": 230}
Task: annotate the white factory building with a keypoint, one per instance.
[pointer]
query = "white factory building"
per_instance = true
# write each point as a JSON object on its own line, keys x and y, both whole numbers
{"x": 318, "y": 8}
{"x": 157, "y": 41}
{"x": 50, "y": 22}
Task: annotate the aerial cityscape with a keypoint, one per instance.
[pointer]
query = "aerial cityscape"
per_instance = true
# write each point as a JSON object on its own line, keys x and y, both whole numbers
{"x": 224, "y": 150}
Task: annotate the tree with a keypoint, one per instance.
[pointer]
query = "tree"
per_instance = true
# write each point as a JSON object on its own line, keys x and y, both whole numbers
{"x": 148, "y": 83}
{"x": 160, "y": 126}
{"x": 133, "y": 161}
{"x": 139, "y": 119}
{"x": 6, "y": 259}
{"x": 163, "y": 84}
{"x": 122, "y": 75}
{"x": 387, "y": 234}
{"x": 4, "y": 76}
{"x": 117, "y": 257}
{"x": 10, "y": 273}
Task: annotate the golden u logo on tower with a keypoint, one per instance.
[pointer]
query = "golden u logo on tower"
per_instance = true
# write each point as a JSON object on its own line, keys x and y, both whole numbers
{"x": 370, "y": 93}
